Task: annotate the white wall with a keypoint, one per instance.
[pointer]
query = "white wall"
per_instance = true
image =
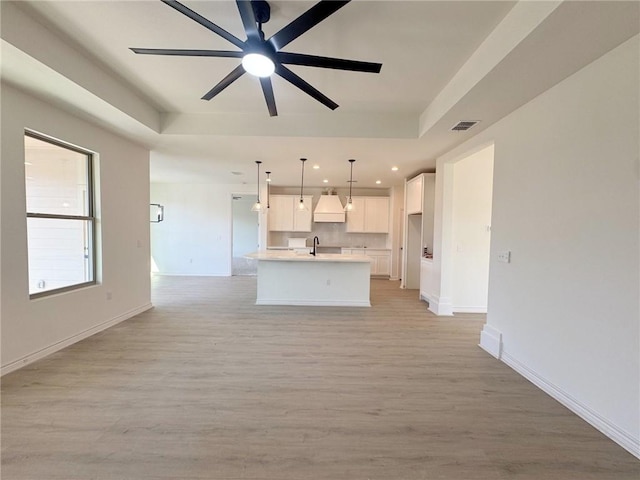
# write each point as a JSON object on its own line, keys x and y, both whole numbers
{"x": 195, "y": 236}
{"x": 472, "y": 189}
{"x": 245, "y": 226}
{"x": 566, "y": 204}
{"x": 34, "y": 328}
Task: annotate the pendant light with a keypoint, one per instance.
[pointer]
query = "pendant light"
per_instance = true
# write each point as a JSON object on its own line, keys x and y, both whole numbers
{"x": 268, "y": 188}
{"x": 349, "y": 206}
{"x": 301, "y": 205}
{"x": 257, "y": 207}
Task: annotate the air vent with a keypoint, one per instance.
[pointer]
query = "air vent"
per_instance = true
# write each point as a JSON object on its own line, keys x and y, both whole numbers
{"x": 464, "y": 125}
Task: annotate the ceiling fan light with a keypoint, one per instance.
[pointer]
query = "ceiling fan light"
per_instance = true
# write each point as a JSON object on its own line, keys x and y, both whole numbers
{"x": 258, "y": 65}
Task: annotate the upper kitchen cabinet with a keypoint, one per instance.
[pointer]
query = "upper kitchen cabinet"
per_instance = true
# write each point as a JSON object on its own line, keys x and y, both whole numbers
{"x": 285, "y": 216}
{"x": 414, "y": 195}
{"x": 369, "y": 215}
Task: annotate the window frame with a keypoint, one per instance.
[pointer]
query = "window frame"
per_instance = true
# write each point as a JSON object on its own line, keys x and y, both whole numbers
{"x": 89, "y": 218}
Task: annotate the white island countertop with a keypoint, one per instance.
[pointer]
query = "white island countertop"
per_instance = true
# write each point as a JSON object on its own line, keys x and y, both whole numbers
{"x": 289, "y": 256}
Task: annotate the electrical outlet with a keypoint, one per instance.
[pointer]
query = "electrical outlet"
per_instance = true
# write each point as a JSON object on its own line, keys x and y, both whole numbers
{"x": 109, "y": 295}
{"x": 504, "y": 256}
{"x": 329, "y": 283}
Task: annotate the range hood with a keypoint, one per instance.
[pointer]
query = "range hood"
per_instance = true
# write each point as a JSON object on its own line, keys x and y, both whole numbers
{"x": 329, "y": 209}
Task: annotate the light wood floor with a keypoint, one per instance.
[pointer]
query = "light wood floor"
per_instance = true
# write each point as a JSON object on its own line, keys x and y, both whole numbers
{"x": 209, "y": 386}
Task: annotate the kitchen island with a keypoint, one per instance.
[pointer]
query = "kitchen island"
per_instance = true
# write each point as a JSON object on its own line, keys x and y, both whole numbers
{"x": 289, "y": 278}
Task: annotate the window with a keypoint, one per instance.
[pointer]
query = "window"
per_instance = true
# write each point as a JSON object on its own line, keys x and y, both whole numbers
{"x": 60, "y": 215}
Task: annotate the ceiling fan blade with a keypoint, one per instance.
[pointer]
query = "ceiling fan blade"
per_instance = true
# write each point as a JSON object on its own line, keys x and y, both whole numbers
{"x": 294, "y": 79}
{"x": 328, "y": 62}
{"x": 267, "y": 89}
{"x": 187, "y": 53}
{"x": 248, "y": 20}
{"x": 235, "y": 74}
{"x": 305, "y": 22}
{"x": 204, "y": 22}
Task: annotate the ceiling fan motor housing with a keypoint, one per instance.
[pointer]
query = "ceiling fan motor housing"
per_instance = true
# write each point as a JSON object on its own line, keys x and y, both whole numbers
{"x": 261, "y": 10}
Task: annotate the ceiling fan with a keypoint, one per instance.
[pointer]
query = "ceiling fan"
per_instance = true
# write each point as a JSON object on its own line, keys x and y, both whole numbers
{"x": 262, "y": 57}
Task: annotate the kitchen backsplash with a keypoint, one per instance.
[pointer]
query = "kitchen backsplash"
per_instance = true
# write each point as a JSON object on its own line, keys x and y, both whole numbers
{"x": 331, "y": 234}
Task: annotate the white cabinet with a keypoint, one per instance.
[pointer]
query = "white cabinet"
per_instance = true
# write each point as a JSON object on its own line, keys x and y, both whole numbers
{"x": 302, "y": 218}
{"x": 413, "y": 192}
{"x": 369, "y": 215}
{"x": 418, "y": 226}
{"x": 355, "y": 217}
{"x": 280, "y": 213}
{"x": 284, "y": 215}
{"x": 376, "y": 218}
{"x": 380, "y": 259}
{"x": 427, "y": 282}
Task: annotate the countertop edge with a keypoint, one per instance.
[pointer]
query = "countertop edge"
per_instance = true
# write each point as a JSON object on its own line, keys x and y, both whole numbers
{"x": 284, "y": 256}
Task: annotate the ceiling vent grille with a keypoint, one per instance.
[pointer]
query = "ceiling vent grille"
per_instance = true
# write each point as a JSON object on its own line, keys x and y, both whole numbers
{"x": 464, "y": 125}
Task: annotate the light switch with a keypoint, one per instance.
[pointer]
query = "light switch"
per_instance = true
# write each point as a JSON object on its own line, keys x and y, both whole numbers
{"x": 504, "y": 256}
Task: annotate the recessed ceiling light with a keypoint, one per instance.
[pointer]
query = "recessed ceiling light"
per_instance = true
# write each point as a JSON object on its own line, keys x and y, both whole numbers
{"x": 316, "y": 167}
{"x": 394, "y": 169}
{"x": 325, "y": 181}
{"x": 378, "y": 182}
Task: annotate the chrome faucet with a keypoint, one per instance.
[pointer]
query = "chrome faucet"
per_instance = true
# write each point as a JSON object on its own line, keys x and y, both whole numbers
{"x": 316, "y": 241}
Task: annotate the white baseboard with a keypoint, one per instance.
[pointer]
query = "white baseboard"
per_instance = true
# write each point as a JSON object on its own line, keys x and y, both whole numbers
{"x": 32, "y": 357}
{"x": 622, "y": 438}
{"x": 480, "y": 309}
{"x": 491, "y": 340}
{"x": 439, "y": 305}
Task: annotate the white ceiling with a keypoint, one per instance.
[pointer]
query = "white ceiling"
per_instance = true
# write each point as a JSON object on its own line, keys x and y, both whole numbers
{"x": 424, "y": 47}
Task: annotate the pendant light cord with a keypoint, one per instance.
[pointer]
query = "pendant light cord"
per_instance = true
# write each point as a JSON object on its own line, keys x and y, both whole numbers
{"x": 258, "y": 162}
{"x": 302, "y": 180}
{"x": 350, "y": 178}
{"x": 268, "y": 187}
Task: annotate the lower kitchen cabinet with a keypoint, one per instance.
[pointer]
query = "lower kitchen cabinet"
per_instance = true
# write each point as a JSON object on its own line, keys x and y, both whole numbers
{"x": 382, "y": 265}
{"x": 380, "y": 259}
{"x": 427, "y": 280}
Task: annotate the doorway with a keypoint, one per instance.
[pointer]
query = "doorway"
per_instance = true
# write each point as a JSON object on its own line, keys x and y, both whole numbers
{"x": 244, "y": 235}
